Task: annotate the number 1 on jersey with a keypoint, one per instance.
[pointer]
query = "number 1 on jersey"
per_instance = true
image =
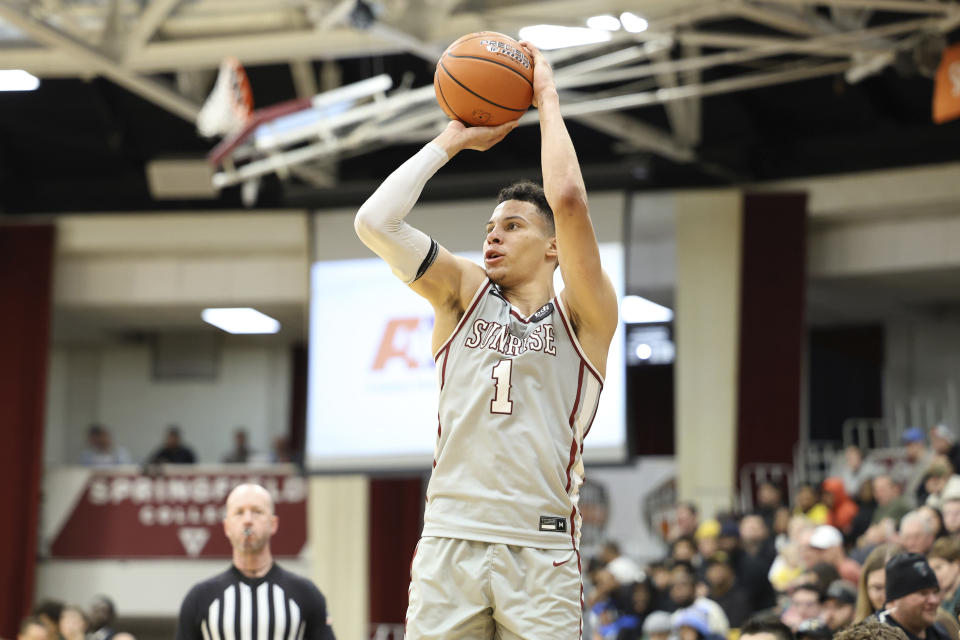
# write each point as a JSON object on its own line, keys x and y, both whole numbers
{"x": 501, "y": 402}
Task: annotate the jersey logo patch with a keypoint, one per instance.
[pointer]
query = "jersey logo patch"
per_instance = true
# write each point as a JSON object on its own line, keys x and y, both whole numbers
{"x": 542, "y": 312}
{"x": 552, "y": 523}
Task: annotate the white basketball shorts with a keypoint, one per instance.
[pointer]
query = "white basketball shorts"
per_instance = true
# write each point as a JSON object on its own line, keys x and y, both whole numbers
{"x": 462, "y": 589}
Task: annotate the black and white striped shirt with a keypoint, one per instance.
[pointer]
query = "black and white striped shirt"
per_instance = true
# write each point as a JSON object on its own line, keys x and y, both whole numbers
{"x": 230, "y": 606}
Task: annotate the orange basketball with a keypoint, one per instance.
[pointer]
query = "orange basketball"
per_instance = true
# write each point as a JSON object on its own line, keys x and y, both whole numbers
{"x": 484, "y": 78}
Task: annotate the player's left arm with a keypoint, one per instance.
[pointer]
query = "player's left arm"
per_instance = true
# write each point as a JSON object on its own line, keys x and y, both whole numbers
{"x": 588, "y": 292}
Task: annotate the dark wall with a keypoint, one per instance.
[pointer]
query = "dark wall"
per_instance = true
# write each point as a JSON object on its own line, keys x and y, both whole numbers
{"x": 846, "y": 378}
{"x": 650, "y": 412}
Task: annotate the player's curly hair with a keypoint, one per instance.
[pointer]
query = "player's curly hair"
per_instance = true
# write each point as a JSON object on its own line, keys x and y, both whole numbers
{"x": 870, "y": 629}
{"x": 529, "y": 191}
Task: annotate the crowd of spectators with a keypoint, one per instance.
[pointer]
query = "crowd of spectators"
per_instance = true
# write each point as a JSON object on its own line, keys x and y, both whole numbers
{"x": 54, "y": 620}
{"x": 101, "y": 451}
{"x": 876, "y": 543}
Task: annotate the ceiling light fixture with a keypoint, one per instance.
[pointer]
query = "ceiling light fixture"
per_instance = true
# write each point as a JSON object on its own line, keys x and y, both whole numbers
{"x": 632, "y": 22}
{"x": 551, "y": 36}
{"x": 240, "y": 320}
{"x": 637, "y": 310}
{"x": 603, "y": 23}
{"x": 17, "y": 80}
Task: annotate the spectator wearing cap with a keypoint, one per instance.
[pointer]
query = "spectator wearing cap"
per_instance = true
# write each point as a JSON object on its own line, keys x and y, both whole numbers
{"x": 826, "y": 545}
{"x": 909, "y": 471}
{"x": 913, "y": 595}
{"x": 890, "y": 504}
{"x": 804, "y": 605}
{"x": 729, "y": 539}
{"x": 943, "y": 439}
{"x": 706, "y": 537}
{"x": 657, "y": 626}
{"x": 871, "y": 588}
{"x": 625, "y": 570}
{"x": 917, "y": 532}
{"x": 944, "y": 559}
{"x": 692, "y": 624}
{"x": 841, "y": 509}
{"x": 724, "y": 590}
{"x": 807, "y": 503}
{"x": 838, "y": 604}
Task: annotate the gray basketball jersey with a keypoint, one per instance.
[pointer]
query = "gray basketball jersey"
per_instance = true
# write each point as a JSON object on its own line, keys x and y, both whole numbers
{"x": 517, "y": 397}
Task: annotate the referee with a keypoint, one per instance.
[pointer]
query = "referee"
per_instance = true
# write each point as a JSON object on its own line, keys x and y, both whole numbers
{"x": 254, "y": 599}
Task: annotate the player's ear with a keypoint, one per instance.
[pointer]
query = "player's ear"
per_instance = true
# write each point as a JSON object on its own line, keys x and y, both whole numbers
{"x": 552, "y": 247}
{"x": 274, "y": 525}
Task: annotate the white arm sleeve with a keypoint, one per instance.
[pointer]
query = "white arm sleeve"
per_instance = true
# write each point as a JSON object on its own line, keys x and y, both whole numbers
{"x": 380, "y": 224}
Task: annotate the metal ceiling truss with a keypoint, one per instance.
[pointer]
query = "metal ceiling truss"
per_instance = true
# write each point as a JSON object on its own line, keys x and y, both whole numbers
{"x": 128, "y": 41}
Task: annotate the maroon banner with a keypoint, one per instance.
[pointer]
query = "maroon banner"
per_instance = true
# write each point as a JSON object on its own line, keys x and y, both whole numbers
{"x": 128, "y": 515}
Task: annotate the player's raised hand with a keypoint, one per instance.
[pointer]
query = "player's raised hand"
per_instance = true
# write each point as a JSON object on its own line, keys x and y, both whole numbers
{"x": 457, "y": 136}
{"x": 543, "y": 82}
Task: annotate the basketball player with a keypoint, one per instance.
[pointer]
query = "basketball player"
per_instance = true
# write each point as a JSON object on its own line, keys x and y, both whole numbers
{"x": 520, "y": 371}
{"x": 254, "y": 599}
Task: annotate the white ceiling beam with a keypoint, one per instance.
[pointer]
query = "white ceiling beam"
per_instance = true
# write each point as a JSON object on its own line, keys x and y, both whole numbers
{"x": 147, "y": 88}
{"x": 410, "y": 43}
{"x": 777, "y": 18}
{"x": 252, "y": 49}
{"x": 150, "y": 20}
{"x": 614, "y": 59}
{"x": 638, "y": 134}
{"x": 677, "y": 111}
{"x": 694, "y": 103}
{"x": 727, "y": 85}
{"x": 897, "y": 6}
{"x": 838, "y": 45}
{"x": 336, "y": 15}
{"x": 262, "y": 48}
{"x": 304, "y": 79}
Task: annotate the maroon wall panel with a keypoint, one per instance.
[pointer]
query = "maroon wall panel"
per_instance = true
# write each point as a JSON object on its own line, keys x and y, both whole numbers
{"x": 396, "y": 511}
{"x": 771, "y": 327}
{"x": 26, "y": 267}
